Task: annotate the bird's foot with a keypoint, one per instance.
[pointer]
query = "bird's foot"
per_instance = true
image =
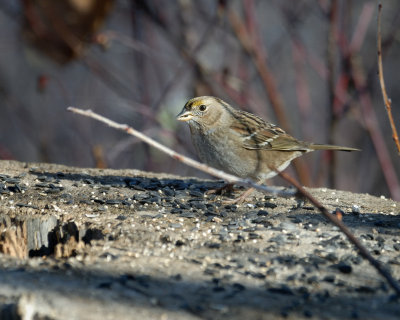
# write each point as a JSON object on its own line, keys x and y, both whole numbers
{"x": 240, "y": 199}
{"x": 222, "y": 190}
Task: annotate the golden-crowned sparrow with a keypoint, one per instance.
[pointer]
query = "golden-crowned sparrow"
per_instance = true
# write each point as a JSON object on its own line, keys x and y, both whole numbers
{"x": 241, "y": 143}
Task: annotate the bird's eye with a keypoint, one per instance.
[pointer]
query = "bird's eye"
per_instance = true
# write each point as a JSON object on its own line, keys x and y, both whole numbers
{"x": 202, "y": 107}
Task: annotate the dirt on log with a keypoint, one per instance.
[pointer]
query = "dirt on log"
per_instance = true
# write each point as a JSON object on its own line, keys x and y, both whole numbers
{"x": 124, "y": 244}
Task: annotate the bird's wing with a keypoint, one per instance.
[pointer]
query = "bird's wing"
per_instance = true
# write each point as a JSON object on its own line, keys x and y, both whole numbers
{"x": 257, "y": 134}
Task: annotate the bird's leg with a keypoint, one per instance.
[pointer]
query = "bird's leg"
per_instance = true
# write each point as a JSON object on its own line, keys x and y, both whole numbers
{"x": 240, "y": 199}
{"x": 229, "y": 188}
{"x": 301, "y": 201}
{"x": 221, "y": 190}
{"x": 244, "y": 196}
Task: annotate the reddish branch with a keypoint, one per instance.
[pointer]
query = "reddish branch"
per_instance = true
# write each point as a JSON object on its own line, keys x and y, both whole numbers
{"x": 333, "y": 114}
{"x": 249, "y": 45}
{"x": 337, "y": 222}
{"x": 386, "y": 100}
{"x": 372, "y": 126}
{"x": 355, "y": 74}
{"x": 254, "y": 50}
{"x": 188, "y": 161}
{"x": 248, "y": 183}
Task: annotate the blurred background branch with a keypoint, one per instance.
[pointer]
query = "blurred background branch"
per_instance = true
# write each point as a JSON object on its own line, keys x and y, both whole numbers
{"x": 386, "y": 99}
{"x": 309, "y": 66}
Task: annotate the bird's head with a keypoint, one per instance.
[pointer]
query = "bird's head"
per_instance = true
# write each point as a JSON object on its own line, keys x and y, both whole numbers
{"x": 204, "y": 111}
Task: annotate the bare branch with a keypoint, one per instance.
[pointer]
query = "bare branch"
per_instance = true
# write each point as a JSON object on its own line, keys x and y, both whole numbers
{"x": 248, "y": 183}
{"x": 188, "y": 161}
{"x": 259, "y": 58}
{"x": 337, "y": 222}
{"x": 386, "y": 100}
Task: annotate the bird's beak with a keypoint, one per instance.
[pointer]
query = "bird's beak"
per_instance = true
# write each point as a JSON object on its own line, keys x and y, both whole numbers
{"x": 184, "y": 115}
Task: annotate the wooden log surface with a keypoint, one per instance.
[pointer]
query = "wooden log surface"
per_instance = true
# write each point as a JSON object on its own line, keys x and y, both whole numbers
{"x": 123, "y": 244}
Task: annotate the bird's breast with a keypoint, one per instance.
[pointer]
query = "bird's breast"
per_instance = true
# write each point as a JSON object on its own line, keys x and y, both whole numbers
{"x": 220, "y": 150}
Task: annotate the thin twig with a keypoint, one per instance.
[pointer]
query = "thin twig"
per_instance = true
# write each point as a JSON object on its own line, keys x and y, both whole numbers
{"x": 361, "y": 28}
{"x": 259, "y": 58}
{"x": 248, "y": 183}
{"x": 386, "y": 100}
{"x": 188, "y": 161}
{"x": 332, "y": 218}
{"x": 332, "y": 75}
{"x": 355, "y": 74}
{"x": 189, "y": 55}
{"x": 372, "y": 125}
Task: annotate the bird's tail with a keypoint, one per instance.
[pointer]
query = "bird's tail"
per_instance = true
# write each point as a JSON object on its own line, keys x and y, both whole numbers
{"x": 331, "y": 147}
